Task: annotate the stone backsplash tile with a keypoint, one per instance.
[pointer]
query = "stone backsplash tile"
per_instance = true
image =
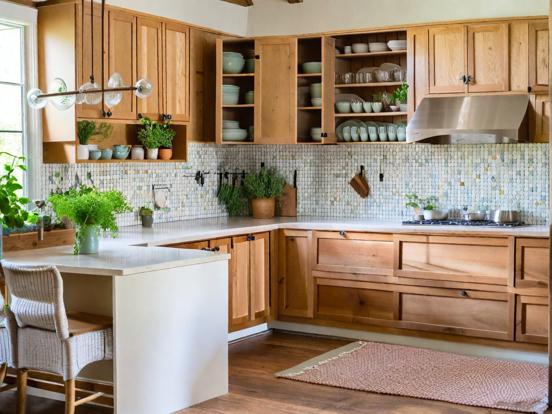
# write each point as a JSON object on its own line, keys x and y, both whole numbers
{"x": 475, "y": 176}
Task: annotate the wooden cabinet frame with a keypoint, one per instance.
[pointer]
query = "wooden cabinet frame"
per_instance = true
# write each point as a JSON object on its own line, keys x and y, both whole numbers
{"x": 507, "y": 242}
{"x": 538, "y": 59}
{"x": 520, "y": 281}
{"x": 521, "y": 318}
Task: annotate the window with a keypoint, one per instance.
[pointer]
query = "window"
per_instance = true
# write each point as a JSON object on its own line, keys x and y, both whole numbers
{"x": 13, "y": 130}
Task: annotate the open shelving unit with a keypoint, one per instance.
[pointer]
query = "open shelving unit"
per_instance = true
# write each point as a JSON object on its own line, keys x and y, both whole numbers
{"x": 315, "y": 49}
{"x": 241, "y": 112}
{"x": 352, "y": 62}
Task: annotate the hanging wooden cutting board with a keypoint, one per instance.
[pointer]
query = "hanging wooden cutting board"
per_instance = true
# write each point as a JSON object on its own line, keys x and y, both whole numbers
{"x": 288, "y": 201}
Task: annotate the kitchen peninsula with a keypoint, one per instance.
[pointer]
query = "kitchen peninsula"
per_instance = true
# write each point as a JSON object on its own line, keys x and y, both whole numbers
{"x": 169, "y": 310}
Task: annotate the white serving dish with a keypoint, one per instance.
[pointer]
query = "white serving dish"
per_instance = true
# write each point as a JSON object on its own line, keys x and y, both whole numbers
{"x": 397, "y": 44}
{"x": 377, "y": 47}
{"x": 360, "y": 47}
{"x": 234, "y": 134}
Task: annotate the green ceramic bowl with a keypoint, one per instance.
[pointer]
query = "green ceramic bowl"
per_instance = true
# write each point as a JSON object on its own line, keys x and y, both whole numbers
{"x": 343, "y": 107}
{"x": 249, "y": 66}
{"x": 95, "y": 154}
{"x": 232, "y": 62}
{"x": 249, "y": 98}
{"x": 312, "y": 67}
{"x": 316, "y": 90}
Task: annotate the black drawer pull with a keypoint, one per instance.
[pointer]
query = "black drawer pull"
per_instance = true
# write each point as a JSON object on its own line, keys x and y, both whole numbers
{"x": 343, "y": 233}
{"x": 464, "y": 294}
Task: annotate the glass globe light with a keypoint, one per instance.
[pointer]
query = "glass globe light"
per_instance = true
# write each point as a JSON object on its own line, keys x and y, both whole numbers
{"x": 33, "y": 99}
{"x": 144, "y": 88}
{"x": 91, "y": 98}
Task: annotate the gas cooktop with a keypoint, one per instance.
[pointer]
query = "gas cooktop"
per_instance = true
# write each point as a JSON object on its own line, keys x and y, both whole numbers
{"x": 460, "y": 222}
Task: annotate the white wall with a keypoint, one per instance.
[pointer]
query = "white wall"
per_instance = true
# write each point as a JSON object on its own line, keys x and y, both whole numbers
{"x": 214, "y": 14}
{"x": 271, "y": 17}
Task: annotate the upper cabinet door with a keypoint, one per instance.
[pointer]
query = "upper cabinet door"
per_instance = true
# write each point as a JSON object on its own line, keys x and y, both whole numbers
{"x": 176, "y": 71}
{"x": 488, "y": 58}
{"x": 447, "y": 59}
{"x": 276, "y": 91}
{"x": 86, "y": 56}
{"x": 121, "y": 59}
{"x": 150, "y": 65}
{"x": 417, "y": 63}
{"x": 538, "y": 56}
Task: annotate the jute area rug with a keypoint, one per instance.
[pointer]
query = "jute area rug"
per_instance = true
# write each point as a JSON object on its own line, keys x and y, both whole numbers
{"x": 432, "y": 375}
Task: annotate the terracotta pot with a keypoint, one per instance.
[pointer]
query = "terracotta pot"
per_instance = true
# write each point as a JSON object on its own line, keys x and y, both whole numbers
{"x": 263, "y": 208}
{"x": 165, "y": 153}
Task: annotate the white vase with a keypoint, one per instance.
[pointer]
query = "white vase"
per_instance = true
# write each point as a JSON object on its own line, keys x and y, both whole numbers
{"x": 82, "y": 152}
{"x": 152, "y": 153}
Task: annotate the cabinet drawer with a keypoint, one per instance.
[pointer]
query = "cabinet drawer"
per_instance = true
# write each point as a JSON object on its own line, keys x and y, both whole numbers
{"x": 532, "y": 319}
{"x": 354, "y": 302}
{"x": 459, "y": 259}
{"x": 532, "y": 263}
{"x": 462, "y": 312}
{"x": 198, "y": 245}
{"x": 354, "y": 252}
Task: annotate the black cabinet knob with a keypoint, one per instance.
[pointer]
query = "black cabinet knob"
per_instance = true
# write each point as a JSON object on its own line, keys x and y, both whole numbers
{"x": 343, "y": 233}
{"x": 140, "y": 116}
{"x": 464, "y": 294}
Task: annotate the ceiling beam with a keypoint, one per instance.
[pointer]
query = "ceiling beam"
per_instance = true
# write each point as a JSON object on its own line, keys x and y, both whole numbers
{"x": 244, "y": 3}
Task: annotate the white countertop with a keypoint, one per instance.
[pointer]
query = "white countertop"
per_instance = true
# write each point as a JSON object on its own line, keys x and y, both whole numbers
{"x": 202, "y": 229}
{"x": 114, "y": 259}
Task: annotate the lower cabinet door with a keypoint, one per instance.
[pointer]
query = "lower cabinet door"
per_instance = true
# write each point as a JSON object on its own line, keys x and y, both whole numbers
{"x": 259, "y": 267}
{"x": 532, "y": 319}
{"x": 462, "y": 312}
{"x": 238, "y": 283}
{"x": 355, "y": 302}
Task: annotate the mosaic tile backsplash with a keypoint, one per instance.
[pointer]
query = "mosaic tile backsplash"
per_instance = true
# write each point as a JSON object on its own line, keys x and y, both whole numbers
{"x": 475, "y": 176}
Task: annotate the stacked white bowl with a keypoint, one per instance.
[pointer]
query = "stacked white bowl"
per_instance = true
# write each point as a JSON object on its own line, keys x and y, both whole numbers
{"x": 397, "y": 44}
{"x": 231, "y": 131}
{"x": 230, "y": 94}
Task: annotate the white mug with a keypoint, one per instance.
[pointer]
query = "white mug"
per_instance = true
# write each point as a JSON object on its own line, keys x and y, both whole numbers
{"x": 348, "y": 50}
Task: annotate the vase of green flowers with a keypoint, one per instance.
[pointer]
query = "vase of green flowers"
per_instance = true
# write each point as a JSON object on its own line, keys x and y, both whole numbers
{"x": 154, "y": 135}
{"x": 146, "y": 216}
{"x": 400, "y": 96}
{"x": 262, "y": 188}
{"x": 91, "y": 210}
{"x": 13, "y": 213}
{"x": 85, "y": 131}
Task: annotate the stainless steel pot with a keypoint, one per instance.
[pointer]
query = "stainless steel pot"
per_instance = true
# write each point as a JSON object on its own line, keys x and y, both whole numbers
{"x": 475, "y": 216}
{"x": 506, "y": 216}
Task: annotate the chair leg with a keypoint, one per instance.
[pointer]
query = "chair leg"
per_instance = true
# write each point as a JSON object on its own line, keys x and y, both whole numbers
{"x": 21, "y": 390}
{"x": 70, "y": 396}
{"x": 3, "y": 371}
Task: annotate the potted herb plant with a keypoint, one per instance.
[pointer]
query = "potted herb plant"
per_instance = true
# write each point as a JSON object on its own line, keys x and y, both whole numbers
{"x": 233, "y": 198}
{"x": 146, "y": 216}
{"x": 13, "y": 213}
{"x": 154, "y": 135}
{"x": 262, "y": 188}
{"x": 400, "y": 96}
{"x": 91, "y": 210}
{"x": 86, "y": 130}
{"x": 413, "y": 201}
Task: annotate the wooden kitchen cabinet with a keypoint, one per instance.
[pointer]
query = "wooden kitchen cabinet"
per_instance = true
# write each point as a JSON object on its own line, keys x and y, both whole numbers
{"x": 488, "y": 57}
{"x": 538, "y": 51}
{"x": 121, "y": 59}
{"x": 532, "y": 263}
{"x": 249, "y": 281}
{"x": 295, "y": 279}
{"x": 176, "y": 71}
{"x": 532, "y": 319}
{"x": 451, "y": 258}
{"x": 275, "y": 91}
{"x": 350, "y": 252}
{"x": 418, "y": 67}
{"x": 447, "y": 59}
{"x": 539, "y": 118}
{"x": 150, "y": 65}
{"x": 479, "y": 52}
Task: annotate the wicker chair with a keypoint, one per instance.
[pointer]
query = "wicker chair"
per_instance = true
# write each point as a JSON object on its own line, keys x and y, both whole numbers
{"x": 6, "y": 357}
{"x": 48, "y": 338}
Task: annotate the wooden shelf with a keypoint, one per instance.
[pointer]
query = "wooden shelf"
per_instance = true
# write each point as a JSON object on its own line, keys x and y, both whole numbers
{"x": 371, "y": 54}
{"x": 368, "y": 85}
{"x": 369, "y": 114}
{"x": 308, "y": 75}
{"x": 111, "y": 161}
{"x": 309, "y": 108}
{"x": 237, "y": 142}
{"x": 238, "y": 75}
{"x": 239, "y": 106}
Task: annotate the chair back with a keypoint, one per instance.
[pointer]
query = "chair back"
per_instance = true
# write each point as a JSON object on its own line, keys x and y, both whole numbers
{"x": 36, "y": 297}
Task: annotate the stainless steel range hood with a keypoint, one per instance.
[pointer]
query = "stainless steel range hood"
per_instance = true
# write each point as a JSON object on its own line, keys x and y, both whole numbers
{"x": 490, "y": 119}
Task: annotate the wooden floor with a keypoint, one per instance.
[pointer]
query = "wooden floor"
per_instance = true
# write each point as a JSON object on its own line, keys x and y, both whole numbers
{"x": 254, "y": 389}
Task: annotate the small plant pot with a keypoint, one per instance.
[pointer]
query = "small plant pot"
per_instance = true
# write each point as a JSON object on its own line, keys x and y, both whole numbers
{"x": 82, "y": 152}
{"x": 88, "y": 239}
{"x": 152, "y": 153}
{"x": 165, "y": 153}
{"x": 263, "y": 208}
{"x": 147, "y": 221}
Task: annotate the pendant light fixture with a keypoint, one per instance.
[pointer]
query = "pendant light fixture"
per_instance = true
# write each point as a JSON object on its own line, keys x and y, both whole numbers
{"x": 90, "y": 92}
